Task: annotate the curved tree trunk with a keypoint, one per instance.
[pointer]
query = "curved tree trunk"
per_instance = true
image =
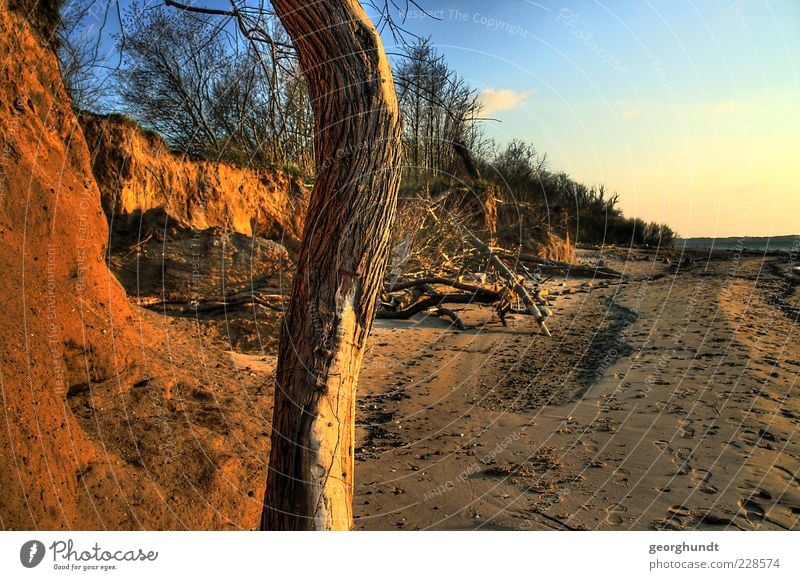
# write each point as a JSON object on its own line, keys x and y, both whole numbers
{"x": 341, "y": 265}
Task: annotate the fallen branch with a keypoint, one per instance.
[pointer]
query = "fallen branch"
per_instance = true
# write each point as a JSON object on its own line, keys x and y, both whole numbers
{"x": 511, "y": 278}
{"x": 475, "y": 289}
{"x": 578, "y": 270}
{"x": 216, "y": 306}
{"x": 434, "y": 301}
{"x": 447, "y": 313}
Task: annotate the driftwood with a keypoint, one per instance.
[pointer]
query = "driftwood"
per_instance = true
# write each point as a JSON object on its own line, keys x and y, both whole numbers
{"x": 435, "y": 301}
{"x": 447, "y": 313}
{"x": 432, "y": 301}
{"x": 210, "y": 306}
{"x": 556, "y": 266}
{"x": 457, "y": 284}
{"x": 423, "y": 298}
{"x": 432, "y": 305}
{"x": 512, "y": 279}
{"x": 425, "y": 294}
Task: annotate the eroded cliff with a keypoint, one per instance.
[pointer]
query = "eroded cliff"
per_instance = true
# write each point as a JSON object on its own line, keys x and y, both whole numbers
{"x": 137, "y": 172}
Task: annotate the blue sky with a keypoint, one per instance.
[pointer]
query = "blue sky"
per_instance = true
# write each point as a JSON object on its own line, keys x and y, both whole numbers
{"x": 689, "y": 109}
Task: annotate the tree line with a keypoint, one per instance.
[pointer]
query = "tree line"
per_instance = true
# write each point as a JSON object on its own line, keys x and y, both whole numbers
{"x": 231, "y": 89}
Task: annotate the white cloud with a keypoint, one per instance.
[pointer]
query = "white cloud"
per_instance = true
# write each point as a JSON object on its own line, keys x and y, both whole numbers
{"x": 631, "y": 113}
{"x": 494, "y": 100}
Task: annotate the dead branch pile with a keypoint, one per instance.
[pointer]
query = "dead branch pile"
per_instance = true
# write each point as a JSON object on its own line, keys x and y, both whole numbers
{"x": 427, "y": 237}
{"x": 437, "y": 255}
{"x": 437, "y": 262}
{"x": 430, "y": 294}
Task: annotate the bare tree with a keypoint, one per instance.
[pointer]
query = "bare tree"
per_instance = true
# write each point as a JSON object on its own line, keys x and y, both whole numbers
{"x": 170, "y": 76}
{"x": 439, "y": 113}
{"x": 519, "y": 166}
{"x": 341, "y": 266}
{"x": 80, "y": 53}
{"x": 342, "y": 259}
{"x": 217, "y": 88}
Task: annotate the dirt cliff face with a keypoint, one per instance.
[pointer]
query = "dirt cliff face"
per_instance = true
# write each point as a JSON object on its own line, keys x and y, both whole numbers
{"x": 66, "y": 320}
{"x": 137, "y": 172}
{"x": 114, "y": 417}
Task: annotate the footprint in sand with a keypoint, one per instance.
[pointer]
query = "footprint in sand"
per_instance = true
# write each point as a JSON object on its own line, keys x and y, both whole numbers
{"x": 713, "y": 520}
{"x": 680, "y": 511}
{"x": 700, "y": 478}
{"x": 786, "y": 475}
{"x": 752, "y": 511}
{"x": 790, "y": 414}
{"x": 621, "y": 476}
{"x": 668, "y": 523}
{"x": 682, "y": 517}
{"x": 614, "y": 512}
{"x": 663, "y": 445}
{"x": 681, "y": 459}
{"x": 762, "y": 493}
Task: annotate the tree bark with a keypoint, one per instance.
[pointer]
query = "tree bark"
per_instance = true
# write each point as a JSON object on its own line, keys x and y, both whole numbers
{"x": 341, "y": 264}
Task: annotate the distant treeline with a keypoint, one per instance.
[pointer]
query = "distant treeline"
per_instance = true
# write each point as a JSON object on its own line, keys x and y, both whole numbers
{"x": 555, "y": 200}
{"x": 789, "y": 243}
{"x": 215, "y": 94}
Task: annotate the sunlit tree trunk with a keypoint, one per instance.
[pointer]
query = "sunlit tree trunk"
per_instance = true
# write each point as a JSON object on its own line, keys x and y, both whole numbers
{"x": 341, "y": 264}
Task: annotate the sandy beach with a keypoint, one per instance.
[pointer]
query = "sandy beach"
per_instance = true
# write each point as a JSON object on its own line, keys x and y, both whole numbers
{"x": 666, "y": 401}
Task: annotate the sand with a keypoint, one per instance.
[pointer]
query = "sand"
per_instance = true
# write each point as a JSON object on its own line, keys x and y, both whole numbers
{"x": 665, "y": 402}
